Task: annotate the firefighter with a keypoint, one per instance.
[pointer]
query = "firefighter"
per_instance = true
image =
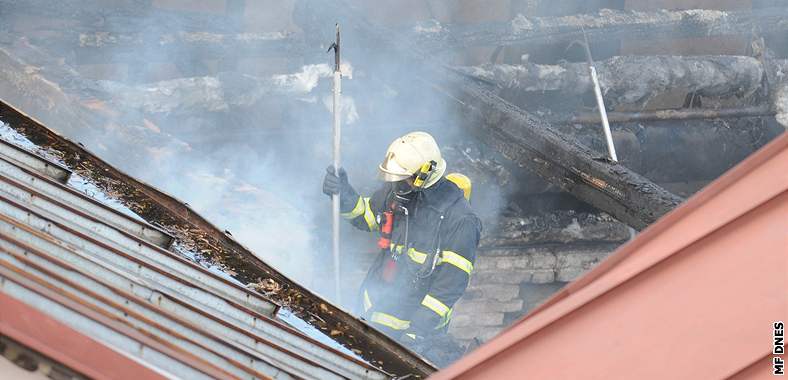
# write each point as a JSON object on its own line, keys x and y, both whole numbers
{"x": 428, "y": 240}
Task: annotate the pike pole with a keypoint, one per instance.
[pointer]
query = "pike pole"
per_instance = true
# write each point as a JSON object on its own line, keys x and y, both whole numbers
{"x": 600, "y": 101}
{"x": 337, "y": 140}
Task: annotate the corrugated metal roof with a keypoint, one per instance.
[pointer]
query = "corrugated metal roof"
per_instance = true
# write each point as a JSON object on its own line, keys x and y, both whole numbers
{"x": 693, "y": 296}
{"x": 110, "y": 277}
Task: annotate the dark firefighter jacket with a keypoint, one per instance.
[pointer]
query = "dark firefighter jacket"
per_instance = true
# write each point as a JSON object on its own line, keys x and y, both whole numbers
{"x": 411, "y": 287}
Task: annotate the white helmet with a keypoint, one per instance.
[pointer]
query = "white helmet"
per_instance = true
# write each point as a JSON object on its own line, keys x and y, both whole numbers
{"x": 408, "y": 154}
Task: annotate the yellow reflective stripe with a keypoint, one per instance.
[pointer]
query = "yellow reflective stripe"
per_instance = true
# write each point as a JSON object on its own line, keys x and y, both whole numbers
{"x": 367, "y": 301}
{"x": 446, "y": 319}
{"x": 435, "y": 305}
{"x": 458, "y": 261}
{"x": 356, "y": 211}
{"x": 396, "y": 248}
{"x": 389, "y": 321}
{"x": 369, "y": 217}
{"x": 419, "y": 257}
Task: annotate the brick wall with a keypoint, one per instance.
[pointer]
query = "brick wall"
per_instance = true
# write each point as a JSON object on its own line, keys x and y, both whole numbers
{"x": 523, "y": 261}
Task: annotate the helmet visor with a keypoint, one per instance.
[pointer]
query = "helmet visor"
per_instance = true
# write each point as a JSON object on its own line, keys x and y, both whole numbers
{"x": 391, "y": 171}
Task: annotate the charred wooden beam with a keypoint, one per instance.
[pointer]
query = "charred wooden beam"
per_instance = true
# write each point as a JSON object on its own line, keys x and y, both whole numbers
{"x": 223, "y": 92}
{"x": 88, "y": 119}
{"x": 670, "y": 151}
{"x": 670, "y": 114}
{"x": 519, "y": 136}
{"x": 531, "y": 143}
{"x": 632, "y": 79}
{"x": 781, "y": 104}
{"x": 156, "y": 46}
{"x": 219, "y": 93}
{"x": 122, "y": 16}
{"x": 777, "y": 75}
{"x": 604, "y": 26}
{"x": 667, "y": 152}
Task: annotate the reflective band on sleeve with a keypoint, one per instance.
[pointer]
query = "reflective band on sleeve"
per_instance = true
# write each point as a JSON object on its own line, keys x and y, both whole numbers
{"x": 396, "y": 248}
{"x": 411, "y": 336}
{"x": 446, "y": 320}
{"x": 367, "y": 301}
{"x": 356, "y": 211}
{"x": 417, "y": 256}
{"x": 389, "y": 321}
{"x": 458, "y": 261}
{"x": 369, "y": 216}
{"x": 435, "y": 305}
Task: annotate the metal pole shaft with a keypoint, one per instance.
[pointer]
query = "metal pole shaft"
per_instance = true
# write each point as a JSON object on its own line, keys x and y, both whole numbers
{"x": 335, "y": 198}
{"x": 611, "y": 149}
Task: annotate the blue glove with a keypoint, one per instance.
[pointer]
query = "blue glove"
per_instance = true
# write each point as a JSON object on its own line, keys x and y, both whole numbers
{"x": 338, "y": 184}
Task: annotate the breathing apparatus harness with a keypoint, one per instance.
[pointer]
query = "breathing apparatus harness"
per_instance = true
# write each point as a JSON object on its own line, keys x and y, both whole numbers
{"x": 402, "y": 194}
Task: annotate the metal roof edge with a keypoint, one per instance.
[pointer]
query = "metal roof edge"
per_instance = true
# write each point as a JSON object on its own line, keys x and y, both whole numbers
{"x": 34, "y": 162}
{"x": 171, "y": 351}
{"x": 33, "y": 329}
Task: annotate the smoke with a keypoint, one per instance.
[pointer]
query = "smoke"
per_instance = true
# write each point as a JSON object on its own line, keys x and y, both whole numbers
{"x": 243, "y": 137}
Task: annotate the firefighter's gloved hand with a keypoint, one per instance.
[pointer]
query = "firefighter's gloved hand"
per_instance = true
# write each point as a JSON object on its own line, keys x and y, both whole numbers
{"x": 338, "y": 184}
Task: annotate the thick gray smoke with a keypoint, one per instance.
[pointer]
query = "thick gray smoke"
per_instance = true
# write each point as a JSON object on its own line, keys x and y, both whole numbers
{"x": 244, "y": 138}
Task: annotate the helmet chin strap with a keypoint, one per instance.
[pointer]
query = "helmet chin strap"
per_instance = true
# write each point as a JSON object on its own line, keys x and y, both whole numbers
{"x": 403, "y": 188}
{"x": 406, "y": 189}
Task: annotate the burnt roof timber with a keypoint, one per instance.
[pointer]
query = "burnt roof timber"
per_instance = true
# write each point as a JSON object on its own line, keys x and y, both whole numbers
{"x": 670, "y": 114}
{"x": 632, "y": 79}
{"x": 606, "y": 25}
{"x": 91, "y": 47}
{"x": 123, "y": 16}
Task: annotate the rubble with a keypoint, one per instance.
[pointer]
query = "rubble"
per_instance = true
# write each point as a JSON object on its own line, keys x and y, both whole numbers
{"x": 781, "y": 104}
{"x": 778, "y": 78}
{"x": 30, "y": 88}
{"x": 632, "y": 79}
{"x": 90, "y": 47}
{"x": 219, "y": 93}
{"x": 607, "y": 25}
{"x": 671, "y": 114}
{"x": 553, "y": 228}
